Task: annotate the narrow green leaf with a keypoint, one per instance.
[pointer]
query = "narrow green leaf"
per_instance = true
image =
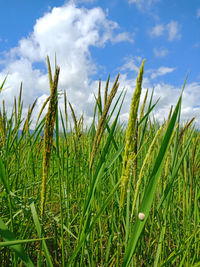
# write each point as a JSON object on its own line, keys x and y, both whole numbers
{"x": 8, "y": 236}
{"x": 2, "y": 85}
{"x": 25, "y": 241}
{"x": 150, "y": 189}
{"x": 3, "y": 176}
{"x": 39, "y": 231}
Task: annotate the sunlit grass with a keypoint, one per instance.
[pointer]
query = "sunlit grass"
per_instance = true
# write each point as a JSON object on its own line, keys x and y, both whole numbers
{"x": 110, "y": 197}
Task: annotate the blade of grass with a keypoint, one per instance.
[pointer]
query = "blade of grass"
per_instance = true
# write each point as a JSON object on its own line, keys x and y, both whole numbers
{"x": 150, "y": 189}
{"x": 25, "y": 241}
{"x": 174, "y": 173}
{"x": 2, "y": 85}
{"x": 39, "y": 232}
{"x": 60, "y": 187}
{"x": 107, "y": 201}
{"x": 17, "y": 248}
{"x": 101, "y": 161}
{"x": 3, "y": 176}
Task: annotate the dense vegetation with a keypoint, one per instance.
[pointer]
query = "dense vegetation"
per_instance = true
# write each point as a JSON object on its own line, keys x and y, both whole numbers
{"x": 106, "y": 195}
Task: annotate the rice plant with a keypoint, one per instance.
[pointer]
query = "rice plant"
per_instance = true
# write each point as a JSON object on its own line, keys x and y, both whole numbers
{"x": 104, "y": 195}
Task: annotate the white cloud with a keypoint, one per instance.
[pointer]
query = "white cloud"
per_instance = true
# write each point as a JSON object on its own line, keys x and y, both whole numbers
{"x": 131, "y": 64}
{"x": 173, "y": 31}
{"x": 198, "y": 13}
{"x": 161, "y": 71}
{"x": 169, "y": 96}
{"x": 123, "y": 37}
{"x": 160, "y": 52}
{"x": 69, "y": 32}
{"x": 170, "y": 30}
{"x": 157, "y": 30}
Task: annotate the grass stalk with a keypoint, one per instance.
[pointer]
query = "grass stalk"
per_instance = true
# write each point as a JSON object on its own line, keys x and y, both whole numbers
{"x": 130, "y": 141}
{"x": 48, "y": 132}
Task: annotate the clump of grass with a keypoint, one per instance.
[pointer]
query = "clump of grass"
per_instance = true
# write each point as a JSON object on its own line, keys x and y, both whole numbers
{"x": 102, "y": 122}
{"x": 83, "y": 221}
{"x": 145, "y": 164}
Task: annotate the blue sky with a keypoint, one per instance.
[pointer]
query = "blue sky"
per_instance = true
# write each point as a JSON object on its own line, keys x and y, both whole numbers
{"x": 95, "y": 38}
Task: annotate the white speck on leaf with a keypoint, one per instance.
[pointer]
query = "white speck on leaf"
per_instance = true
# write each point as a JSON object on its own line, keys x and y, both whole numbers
{"x": 141, "y": 216}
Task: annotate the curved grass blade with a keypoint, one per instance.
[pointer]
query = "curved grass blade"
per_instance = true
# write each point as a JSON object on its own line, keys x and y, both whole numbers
{"x": 174, "y": 173}
{"x": 3, "y": 176}
{"x": 98, "y": 173}
{"x": 25, "y": 241}
{"x": 85, "y": 234}
{"x": 101, "y": 124}
{"x": 151, "y": 188}
{"x": 39, "y": 231}
{"x": 146, "y": 116}
{"x": 60, "y": 188}
{"x": 43, "y": 107}
{"x": 101, "y": 162}
{"x": 107, "y": 126}
{"x": 2, "y": 85}
{"x": 8, "y": 236}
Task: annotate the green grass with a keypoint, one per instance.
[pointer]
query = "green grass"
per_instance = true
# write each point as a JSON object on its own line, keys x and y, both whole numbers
{"x": 88, "y": 220}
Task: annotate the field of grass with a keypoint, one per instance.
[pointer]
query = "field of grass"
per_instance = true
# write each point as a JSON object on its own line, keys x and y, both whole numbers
{"x": 106, "y": 195}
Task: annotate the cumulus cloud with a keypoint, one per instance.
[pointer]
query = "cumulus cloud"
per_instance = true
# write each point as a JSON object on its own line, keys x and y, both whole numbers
{"x": 161, "y": 71}
{"x": 131, "y": 64}
{"x": 160, "y": 52}
{"x": 168, "y": 96}
{"x": 190, "y": 101}
{"x": 69, "y": 32}
{"x": 170, "y": 30}
{"x": 157, "y": 30}
{"x": 123, "y": 37}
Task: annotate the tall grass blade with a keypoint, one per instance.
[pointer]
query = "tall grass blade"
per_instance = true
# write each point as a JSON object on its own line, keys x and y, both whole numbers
{"x": 2, "y": 85}
{"x": 3, "y": 176}
{"x": 150, "y": 189}
{"x": 39, "y": 232}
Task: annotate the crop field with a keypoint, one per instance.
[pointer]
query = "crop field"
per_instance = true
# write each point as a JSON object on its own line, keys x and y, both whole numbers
{"x": 103, "y": 195}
